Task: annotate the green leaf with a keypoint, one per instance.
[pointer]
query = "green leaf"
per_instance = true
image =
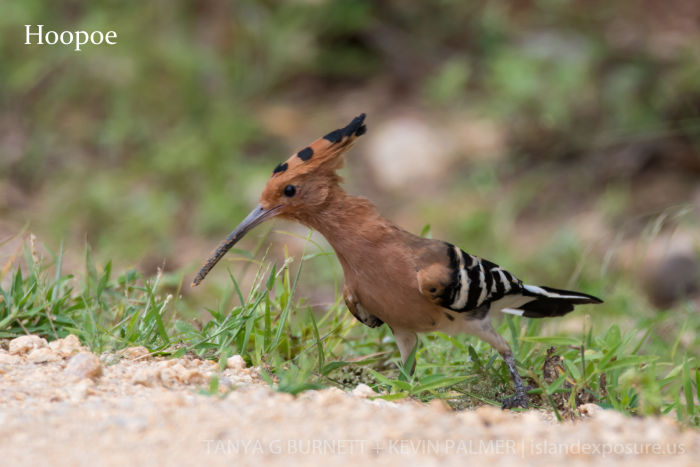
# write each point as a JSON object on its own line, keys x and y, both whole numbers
{"x": 628, "y": 361}
{"x": 688, "y": 388}
{"x": 214, "y": 385}
{"x": 439, "y": 381}
{"x": 474, "y": 356}
{"x": 603, "y": 362}
{"x": 425, "y": 231}
{"x": 572, "y": 369}
{"x": 406, "y": 368}
{"x": 394, "y": 396}
{"x": 552, "y": 388}
{"x": 613, "y": 337}
{"x": 319, "y": 345}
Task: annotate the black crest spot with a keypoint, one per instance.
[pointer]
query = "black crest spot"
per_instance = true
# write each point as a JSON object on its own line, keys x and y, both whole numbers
{"x": 334, "y": 136}
{"x": 281, "y": 167}
{"x": 355, "y": 127}
{"x": 305, "y": 154}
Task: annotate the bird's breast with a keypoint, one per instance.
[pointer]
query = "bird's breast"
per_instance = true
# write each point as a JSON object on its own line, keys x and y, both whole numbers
{"x": 387, "y": 288}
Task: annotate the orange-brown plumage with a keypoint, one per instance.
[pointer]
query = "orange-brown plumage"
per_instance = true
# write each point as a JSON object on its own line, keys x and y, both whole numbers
{"x": 412, "y": 284}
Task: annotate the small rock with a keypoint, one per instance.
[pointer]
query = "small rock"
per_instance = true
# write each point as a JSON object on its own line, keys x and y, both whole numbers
{"x": 235, "y": 362}
{"x": 193, "y": 377}
{"x": 179, "y": 370}
{"x": 134, "y": 352}
{"x": 363, "y": 391}
{"x": 84, "y": 365}
{"x": 25, "y": 344}
{"x": 146, "y": 377}
{"x": 67, "y": 346}
{"x": 43, "y": 355}
{"x": 589, "y": 410}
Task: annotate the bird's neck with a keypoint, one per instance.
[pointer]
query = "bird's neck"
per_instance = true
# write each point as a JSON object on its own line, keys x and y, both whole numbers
{"x": 352, "y": 225}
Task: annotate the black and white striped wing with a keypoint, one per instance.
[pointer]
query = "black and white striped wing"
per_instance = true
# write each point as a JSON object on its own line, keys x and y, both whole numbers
{"x": 476, "y": 282}
{"x": 468, "y": 284}
{"x": 463, "y": 282}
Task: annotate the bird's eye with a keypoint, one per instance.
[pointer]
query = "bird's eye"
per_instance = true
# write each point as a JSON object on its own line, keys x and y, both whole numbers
{"x": 289, "y": 191}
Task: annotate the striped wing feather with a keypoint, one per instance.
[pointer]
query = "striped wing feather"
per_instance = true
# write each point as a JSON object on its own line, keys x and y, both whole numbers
{"x": 465, "y": 283}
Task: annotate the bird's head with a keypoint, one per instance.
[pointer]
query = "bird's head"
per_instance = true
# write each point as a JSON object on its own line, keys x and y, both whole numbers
{"x": 297, "y": 188}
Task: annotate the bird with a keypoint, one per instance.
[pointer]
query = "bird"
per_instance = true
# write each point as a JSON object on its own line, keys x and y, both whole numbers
{"x": 410, "y": 283}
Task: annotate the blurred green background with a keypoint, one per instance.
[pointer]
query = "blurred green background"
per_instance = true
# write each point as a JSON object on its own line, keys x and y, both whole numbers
{"x": 560, "y": 139}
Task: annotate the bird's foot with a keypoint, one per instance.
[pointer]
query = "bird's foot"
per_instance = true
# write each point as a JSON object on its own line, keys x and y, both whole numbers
{"x": 519, "y": 399}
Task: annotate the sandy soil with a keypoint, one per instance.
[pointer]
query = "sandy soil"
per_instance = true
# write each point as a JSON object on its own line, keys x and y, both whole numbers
{"x": 61, "y": 405}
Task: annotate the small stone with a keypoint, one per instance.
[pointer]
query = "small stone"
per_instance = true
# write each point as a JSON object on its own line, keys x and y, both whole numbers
{"x": 43, "y": 355}
{"x": 67, "y": 346}
{"x": 363, "y": 391}
{"x": 235, "y": 362}
{"x": 589, "y": 410}
{"x": 144, "y": 377}
{"x": 134, "y": 352}
{"x": 25, "y": 344}
{"x": 84, "y": 365}
{"x": 193, "y": 377}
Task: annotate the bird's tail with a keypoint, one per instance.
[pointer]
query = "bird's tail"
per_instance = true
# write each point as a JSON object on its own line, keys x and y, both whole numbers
{"x": 551, "y": 302}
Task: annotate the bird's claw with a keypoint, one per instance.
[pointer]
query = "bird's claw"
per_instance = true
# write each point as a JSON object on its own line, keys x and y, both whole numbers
{"x": 517, "y": 400}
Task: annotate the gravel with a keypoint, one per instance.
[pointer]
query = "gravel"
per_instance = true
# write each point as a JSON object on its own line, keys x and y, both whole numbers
{"x": 71, "y": 407}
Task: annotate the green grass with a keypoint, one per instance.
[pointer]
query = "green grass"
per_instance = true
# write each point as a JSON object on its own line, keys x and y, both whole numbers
{"x": 629, "y": 367}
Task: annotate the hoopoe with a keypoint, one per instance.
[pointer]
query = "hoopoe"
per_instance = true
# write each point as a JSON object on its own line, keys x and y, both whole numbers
{"x": 411, "y": 283}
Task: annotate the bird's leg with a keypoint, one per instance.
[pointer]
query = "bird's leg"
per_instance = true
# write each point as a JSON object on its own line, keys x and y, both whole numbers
{"x": 520, "y": 397}
{"x": 406, "y": 340}
{"x": 485, "y": 331}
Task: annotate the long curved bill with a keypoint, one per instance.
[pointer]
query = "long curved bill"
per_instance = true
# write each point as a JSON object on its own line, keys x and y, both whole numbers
{"x": 256, "y": 216}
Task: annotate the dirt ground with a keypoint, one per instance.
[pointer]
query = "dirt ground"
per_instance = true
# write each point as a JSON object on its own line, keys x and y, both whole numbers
{"x": 61, "y": 405}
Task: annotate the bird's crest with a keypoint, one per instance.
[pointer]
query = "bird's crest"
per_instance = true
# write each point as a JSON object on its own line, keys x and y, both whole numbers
{"x": 324, "y": 153}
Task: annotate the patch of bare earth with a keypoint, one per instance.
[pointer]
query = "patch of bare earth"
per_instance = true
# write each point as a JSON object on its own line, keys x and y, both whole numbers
{"x": 62, "y": 405}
